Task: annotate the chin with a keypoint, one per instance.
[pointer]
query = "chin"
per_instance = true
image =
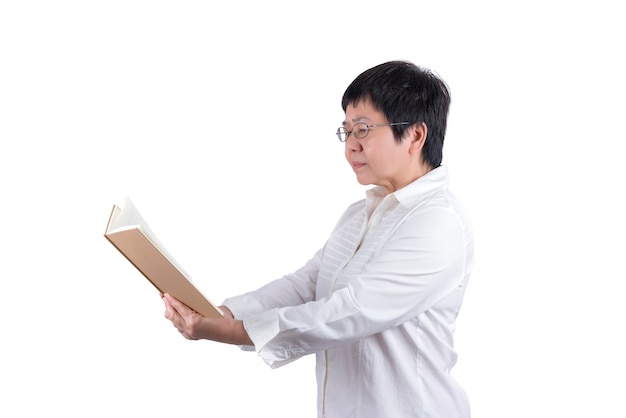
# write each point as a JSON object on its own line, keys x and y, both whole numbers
{"x": 364, "y": 182}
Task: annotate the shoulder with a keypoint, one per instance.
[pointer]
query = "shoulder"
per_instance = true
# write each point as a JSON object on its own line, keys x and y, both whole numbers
{"x": 442, "y": 214}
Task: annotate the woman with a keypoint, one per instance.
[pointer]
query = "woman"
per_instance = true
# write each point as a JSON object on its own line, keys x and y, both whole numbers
{"x": 377, "y": 304}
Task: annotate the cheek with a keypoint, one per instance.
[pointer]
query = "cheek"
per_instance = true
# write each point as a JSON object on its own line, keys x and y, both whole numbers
{"x": 386, "y": 159}
{"x": 378, "y": 154}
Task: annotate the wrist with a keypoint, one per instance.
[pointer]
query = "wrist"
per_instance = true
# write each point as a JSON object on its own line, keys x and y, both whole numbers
{"x": 240, "y": 333}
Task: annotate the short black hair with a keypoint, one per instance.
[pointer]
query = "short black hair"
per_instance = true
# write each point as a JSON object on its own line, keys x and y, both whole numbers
{"x": 405, "y": 92}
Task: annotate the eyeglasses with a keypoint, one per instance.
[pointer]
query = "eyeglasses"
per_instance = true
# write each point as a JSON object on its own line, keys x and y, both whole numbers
{"x": 361, "y": 129}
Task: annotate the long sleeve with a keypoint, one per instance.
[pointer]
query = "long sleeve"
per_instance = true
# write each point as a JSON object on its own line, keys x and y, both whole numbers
{"x": 291, "y": 290}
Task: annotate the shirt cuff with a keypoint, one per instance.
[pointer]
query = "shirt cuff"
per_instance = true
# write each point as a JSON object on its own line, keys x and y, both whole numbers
{"x": 243, "y": 306}
{"x": 262, "y": 329}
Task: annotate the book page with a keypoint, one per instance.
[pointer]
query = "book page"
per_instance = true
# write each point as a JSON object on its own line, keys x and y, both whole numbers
{"x": 126, "y": 214}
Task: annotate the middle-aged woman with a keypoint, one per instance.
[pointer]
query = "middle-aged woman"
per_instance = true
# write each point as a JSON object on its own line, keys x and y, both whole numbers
{"x": 377, "y": 304}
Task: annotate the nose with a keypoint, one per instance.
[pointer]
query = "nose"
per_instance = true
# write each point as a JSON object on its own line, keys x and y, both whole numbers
{"x": 353, "y": 144}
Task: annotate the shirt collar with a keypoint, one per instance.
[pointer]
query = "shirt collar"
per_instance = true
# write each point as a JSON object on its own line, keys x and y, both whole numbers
{"x": 413, "y": 193}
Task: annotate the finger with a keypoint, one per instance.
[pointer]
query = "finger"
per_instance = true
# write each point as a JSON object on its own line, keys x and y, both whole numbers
{"x": 172, "y": 315}
{"x": 177, "y": 305}
{"x": 169, "y": 309}
{"x": 170, "y": 304}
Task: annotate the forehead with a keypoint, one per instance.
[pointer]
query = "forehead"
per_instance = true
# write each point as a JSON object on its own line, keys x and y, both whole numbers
{"x": 363, "y": 111}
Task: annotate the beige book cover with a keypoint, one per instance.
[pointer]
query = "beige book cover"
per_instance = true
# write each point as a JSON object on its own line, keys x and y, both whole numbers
{"x": 131, "y": 235}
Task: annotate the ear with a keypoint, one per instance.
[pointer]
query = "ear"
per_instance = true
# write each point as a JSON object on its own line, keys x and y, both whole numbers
{"x": 418, "y": 135}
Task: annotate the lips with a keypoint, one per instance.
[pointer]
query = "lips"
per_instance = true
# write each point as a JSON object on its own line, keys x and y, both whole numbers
{"x": 356, "y": 165}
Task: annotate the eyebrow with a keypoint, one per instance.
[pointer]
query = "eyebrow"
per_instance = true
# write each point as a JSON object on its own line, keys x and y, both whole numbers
{"x": 356, "y": 120}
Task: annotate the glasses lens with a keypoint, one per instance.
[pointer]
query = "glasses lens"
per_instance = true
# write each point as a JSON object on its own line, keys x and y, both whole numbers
{"x": 342, "y": 134}
{"x": 360, "y": 130}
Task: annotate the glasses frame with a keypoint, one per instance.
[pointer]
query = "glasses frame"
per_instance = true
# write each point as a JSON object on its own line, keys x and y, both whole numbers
{"x": 342, "y": 130}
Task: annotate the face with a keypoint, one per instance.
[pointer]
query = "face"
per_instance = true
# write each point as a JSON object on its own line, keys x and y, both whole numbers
{"x": 377, "y": 159}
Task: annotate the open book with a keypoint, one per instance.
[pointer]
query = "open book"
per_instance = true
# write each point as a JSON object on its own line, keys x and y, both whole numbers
{"x": 131, "y": 235}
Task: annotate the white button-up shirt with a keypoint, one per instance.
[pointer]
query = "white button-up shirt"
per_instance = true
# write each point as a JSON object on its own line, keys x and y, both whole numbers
{"x": 377, "y": 306}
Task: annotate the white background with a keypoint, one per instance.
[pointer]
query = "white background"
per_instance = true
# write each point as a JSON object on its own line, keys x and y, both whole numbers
{"x": 218, "y": 120}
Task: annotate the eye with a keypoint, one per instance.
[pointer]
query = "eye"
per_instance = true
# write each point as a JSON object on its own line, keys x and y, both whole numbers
{"x": 360, "y": 130}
